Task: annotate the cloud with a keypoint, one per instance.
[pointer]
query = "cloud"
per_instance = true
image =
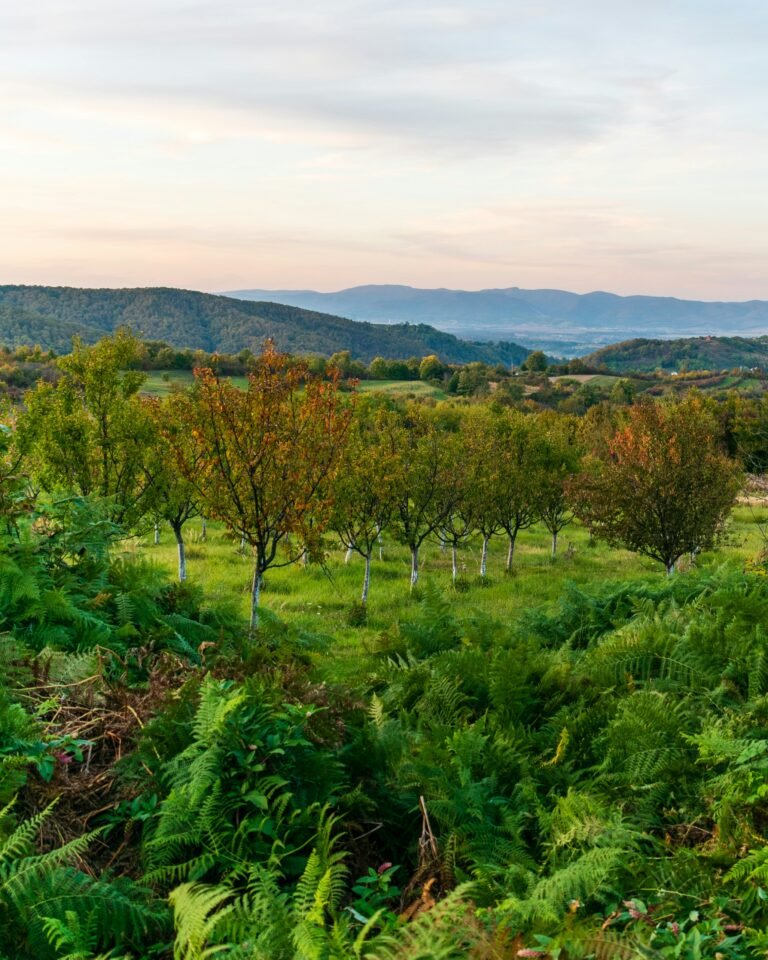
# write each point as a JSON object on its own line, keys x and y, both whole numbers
{"x": 486, "y": 142}
{"x": 454, "y": 79}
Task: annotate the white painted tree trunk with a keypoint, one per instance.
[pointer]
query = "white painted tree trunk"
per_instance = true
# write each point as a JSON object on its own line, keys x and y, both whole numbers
{"x": 366, "y": 579}
{"x": 348, "y": 554}
{"x": 182, "y": 555}
{"x": 157, "y": 534}
{"x": 484, "y": 557}
{"x": 670, "y": 568}
{"x": 414, "y": 566}
{"x": 381, "y": 543}
{"x": 454, "y": 563}
{"x": 443, "y": 543}
{"x": 255, "y": 594}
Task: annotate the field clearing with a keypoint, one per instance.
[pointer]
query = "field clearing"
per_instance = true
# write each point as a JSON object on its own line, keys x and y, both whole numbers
{"x": 160, "y": 383}
{"x": 402, "y": 388}
{"x": 319, "y": 599}
{"x": 598, "y": 379}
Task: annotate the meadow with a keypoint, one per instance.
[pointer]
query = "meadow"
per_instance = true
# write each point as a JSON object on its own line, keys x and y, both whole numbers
{"x": 322, "y": 598}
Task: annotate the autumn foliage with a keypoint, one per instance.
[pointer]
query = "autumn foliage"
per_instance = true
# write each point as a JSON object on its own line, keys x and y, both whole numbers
{"x": 262, "y": 458}
{"x": 662, "y": 487}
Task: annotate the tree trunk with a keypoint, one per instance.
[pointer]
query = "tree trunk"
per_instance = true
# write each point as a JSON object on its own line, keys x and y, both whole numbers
{"x": 414, "y": 566}
{"x": 366, "y": 579}
{"x": 348, "y": 554}
{"x": 484, "y": 557}
{"x": 204, "y": 530}
{"x": 157, "y": 534}
{"x": 443, "y": 543}
{"x": 182, "y": 553}
{"x": 670, "y": 568}
{"x": 511, "y": 552}
{"x": 381, "y": 543}
{"x": 454, "y": 563}
{"x": 255, "y": 593}
{"x": 554, "y": 543}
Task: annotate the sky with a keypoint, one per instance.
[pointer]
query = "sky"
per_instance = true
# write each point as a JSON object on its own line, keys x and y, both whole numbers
{"x": 577, "y": 144}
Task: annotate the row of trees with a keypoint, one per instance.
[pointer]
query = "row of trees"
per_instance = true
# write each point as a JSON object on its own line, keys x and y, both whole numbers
{"x": 290, "y": 459}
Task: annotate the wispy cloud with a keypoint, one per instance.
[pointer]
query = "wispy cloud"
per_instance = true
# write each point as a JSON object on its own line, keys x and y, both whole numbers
{"x": 488, "y": 142}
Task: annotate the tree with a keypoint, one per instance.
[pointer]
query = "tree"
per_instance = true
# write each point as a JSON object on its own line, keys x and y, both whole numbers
{"x": 364, "y": 487}
{"x": 560, "y": 456}
{"x": 89, "y": 432}
{"x": 175, "y": 498}
{"x": 536, "y": 362}
{"x": 664, "y": 488}
{"x": 521, "y": 476}
{"x": 431, "y": 368}
{"x": 424, "y": 472}
{"x": 481, "y": 502}
{"x": 261, "y": 459}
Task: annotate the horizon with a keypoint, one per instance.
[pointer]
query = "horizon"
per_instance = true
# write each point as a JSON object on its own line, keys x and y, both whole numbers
{"x": 234, "y": 146}
{"x": 334, "y": 290}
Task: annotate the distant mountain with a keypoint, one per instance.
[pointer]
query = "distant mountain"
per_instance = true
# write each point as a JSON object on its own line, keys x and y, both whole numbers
{"x": 50, "y": 316}
{"x": 696, "y": 353}
{"x": 555, "y": 320}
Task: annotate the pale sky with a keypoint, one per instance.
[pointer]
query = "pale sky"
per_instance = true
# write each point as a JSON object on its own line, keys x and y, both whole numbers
{"x": 580, "y": 144}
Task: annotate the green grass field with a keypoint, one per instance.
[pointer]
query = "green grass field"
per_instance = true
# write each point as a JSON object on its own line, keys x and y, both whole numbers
{"x": 159, "y": 383}
{"x": 320, "y": 599}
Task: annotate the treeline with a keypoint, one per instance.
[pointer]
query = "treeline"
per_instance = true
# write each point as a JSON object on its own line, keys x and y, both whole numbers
{"x": 689, "y": 353}
{"x": 291, "y": 460}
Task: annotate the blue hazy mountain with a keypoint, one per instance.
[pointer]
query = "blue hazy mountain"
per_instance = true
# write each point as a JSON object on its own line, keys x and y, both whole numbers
{"x": 563, "y": 322}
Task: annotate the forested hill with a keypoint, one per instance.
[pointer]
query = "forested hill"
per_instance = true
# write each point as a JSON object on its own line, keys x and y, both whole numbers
{"x": 692, "y": 353}
{"x": 51, "y": 316}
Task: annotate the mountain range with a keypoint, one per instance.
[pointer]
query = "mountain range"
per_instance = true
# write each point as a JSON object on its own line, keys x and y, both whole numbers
{"x": 560, "y": 322}
{"x": 51, "y": 316}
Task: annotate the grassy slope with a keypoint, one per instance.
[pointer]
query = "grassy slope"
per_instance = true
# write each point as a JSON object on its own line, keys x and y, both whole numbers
{"x": 319, "y": 600}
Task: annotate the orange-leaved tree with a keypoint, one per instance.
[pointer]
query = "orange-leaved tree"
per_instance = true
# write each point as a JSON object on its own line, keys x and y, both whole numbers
{"x": 262, "y": 457}
{"x": 663, "y": 487}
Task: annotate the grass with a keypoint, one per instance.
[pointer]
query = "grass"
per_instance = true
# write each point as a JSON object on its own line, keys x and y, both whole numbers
{"x": 402, "y": 388}
{"x": 159, "y": 383}
{"x": 320, "y": 599}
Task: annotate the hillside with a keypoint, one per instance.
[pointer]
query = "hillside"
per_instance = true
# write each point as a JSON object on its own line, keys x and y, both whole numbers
{"x": 693, "y": 353}
{"x": 50, "y": 316}
{"x": 555, "y": 320}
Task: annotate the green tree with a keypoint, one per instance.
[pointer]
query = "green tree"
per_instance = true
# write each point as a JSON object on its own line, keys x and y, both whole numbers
{"x": 89, "y": 432}
{"x": 481, "y": 503}
{"x": 560, "y": 456}
{"x": 522, "y": 465}
{"x": 364, "y": 487}
{"x": 175, "y": 499}
{"x": 664, "y": 488}
{"x": 431, "y": 368}
{"x": 536, "y": 362}
{"x": 425, "y": 478}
